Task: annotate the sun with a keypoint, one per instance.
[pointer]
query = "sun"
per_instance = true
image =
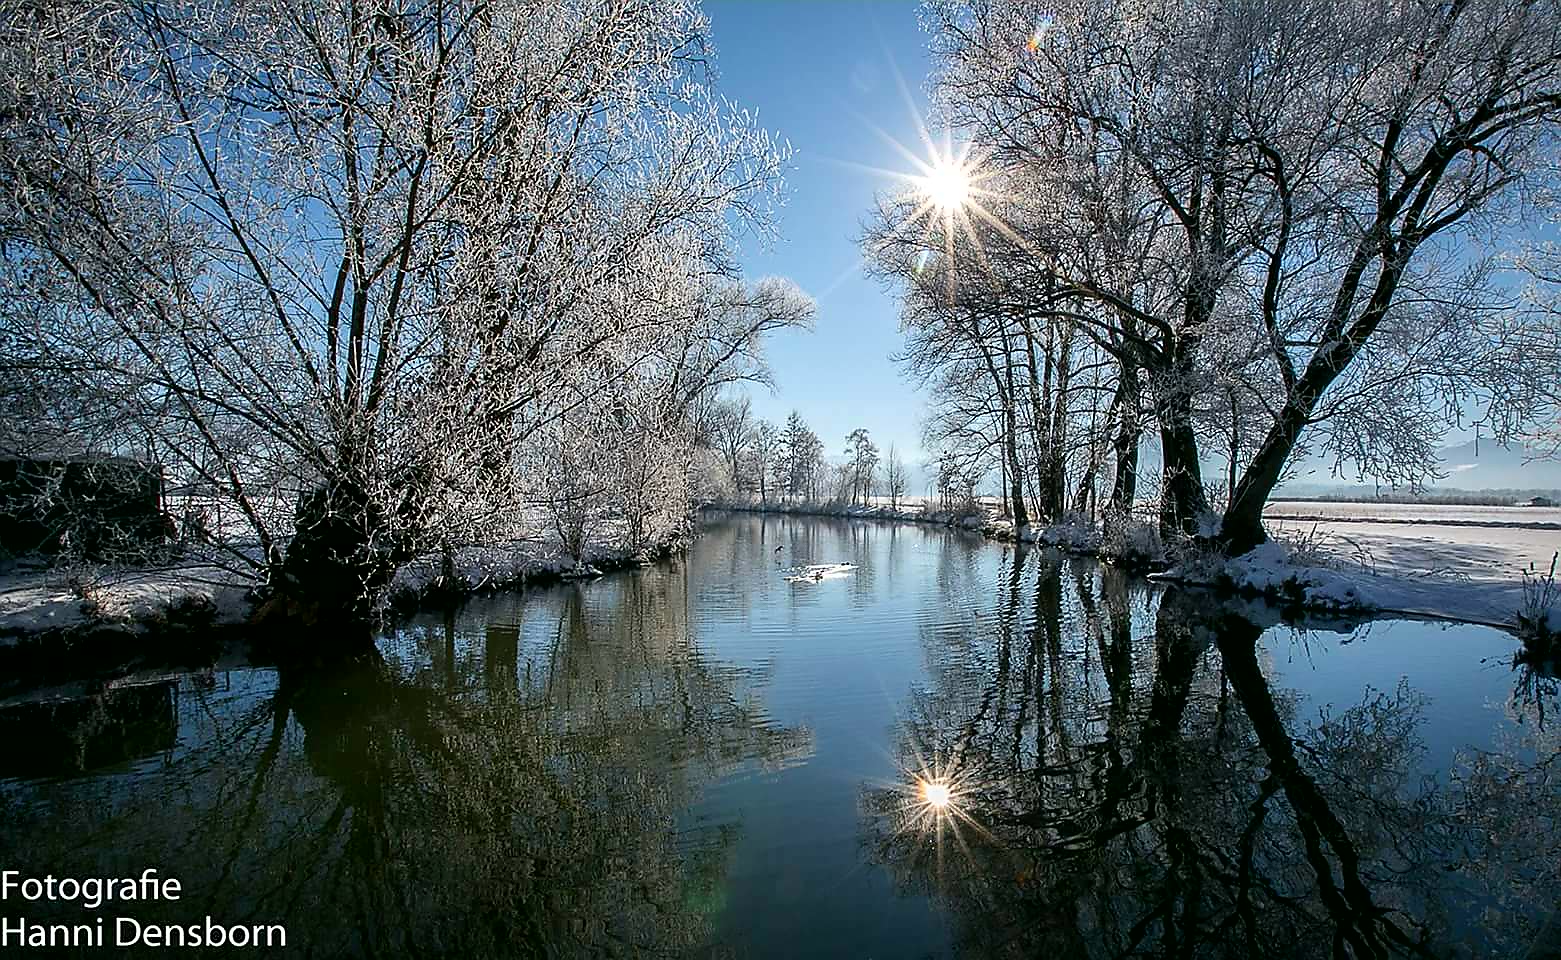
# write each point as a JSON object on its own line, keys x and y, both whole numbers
{"x": 953, "y": 199}
{"x": 936, "y": 794}
{"x": 947, "y": 184}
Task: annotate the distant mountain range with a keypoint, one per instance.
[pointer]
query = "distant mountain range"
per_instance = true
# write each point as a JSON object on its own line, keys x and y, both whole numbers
{"x": 1493, "y": 469}
{"x": 1489, "y": 468}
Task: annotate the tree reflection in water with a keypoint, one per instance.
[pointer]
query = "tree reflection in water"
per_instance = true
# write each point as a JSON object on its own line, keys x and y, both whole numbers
{"x": 1137, "y": 787}
{"x": 456, "y": 796}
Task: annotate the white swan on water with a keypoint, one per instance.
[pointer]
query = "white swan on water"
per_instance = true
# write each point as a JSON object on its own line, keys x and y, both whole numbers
{"x": 819, "y": 571}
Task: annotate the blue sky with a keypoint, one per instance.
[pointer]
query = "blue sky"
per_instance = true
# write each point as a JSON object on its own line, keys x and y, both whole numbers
{"x": 823, "y": 75}
{"x": 833, "y": 78}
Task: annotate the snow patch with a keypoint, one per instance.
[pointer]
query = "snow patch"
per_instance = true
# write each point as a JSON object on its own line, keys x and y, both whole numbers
{"x": 1075, "y": 532}
{"x": 61, "y": 600}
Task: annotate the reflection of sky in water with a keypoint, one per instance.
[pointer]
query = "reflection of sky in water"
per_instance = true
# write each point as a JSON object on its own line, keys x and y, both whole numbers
{"x": 767, "y": 711}
{"x": 1463, "y": 671}
{"x": 844, "y": 659}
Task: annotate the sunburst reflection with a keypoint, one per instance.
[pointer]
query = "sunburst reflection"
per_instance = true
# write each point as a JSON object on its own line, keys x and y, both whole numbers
{"x": 936, "y": 795}
{"x": 932, "y": 802}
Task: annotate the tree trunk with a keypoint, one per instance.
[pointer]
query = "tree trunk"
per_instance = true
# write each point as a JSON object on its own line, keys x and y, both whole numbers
{"x": 1045, "y": 443}
{"x": 1015, "y": 476}
{"x": 1124, "y": 485}
{"x": 1242, "y": 526}
{"x": 1231, "y": 468}
{"x": 1056, "y": 489}
{"x": 1038, "y": 413}
{"x": 1182, "y": 498}
{"x": 342, "y": 554}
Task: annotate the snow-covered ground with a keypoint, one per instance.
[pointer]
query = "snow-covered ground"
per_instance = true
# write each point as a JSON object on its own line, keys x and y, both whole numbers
{"x": 1411, "y": 513}
{"x": 502, "y": 566}
{"x": 1478, "y": 553}
{"x": 66, "y": 600}
{"x": 1472, "y": 573}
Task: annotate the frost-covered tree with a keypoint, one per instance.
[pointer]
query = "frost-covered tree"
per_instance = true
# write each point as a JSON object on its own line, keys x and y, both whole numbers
{"x": 861, "y": 465}
{"x": 1295, "y": 207}
{"x": 800, "y": 459}
{"x": 765, "y": 456}
{"x": 733, "y": 428}
{"x": 896, "y": 480}
{"x": 344, "y": 265}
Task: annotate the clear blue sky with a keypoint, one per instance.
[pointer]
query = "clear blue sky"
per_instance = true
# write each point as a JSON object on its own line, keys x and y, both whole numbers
{"x": 823, "y": 75}
{"x": 833, "y": 79}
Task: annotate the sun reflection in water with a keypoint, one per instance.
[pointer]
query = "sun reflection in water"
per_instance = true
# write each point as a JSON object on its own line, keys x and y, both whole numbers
{"x": 937, "y": 799}
{"x": 936, "y": 795}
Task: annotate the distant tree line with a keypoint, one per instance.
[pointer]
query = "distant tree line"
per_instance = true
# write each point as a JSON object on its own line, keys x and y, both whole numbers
{"x": 788, "y": 463}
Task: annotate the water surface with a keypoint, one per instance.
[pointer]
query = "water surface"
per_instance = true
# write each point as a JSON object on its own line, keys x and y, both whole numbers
{"x": 703, "y": 759}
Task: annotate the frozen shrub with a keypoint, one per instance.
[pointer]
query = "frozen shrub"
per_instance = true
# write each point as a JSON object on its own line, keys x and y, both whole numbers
{"x": 1075, "y": 531}
{"x": 1133, "y": 542}
{"x": 1539, "y": 617}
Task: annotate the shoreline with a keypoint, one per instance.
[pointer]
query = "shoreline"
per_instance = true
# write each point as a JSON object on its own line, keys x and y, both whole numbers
{"x": 166, "y": 620}
{"x": 1301, "y": 591}
{"x": 205, "y": 624}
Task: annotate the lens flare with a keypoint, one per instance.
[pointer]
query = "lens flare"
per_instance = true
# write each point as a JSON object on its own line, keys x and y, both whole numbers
{"x": 936, "y": 795}
{"x": 947, "y": 184}
{"x": 1043, "y": 26}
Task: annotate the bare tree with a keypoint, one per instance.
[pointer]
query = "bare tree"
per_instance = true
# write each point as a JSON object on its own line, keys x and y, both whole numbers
{"x": 895, "y": 478}
{"x": 356, "y": 262}
{"x": 1282, "y": 216}
{"x": 861, "y": 465}
{"x": 733, "y": 429}
{"x": 766, "y": 453}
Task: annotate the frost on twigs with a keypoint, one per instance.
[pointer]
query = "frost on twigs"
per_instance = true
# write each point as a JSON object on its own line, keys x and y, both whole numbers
{"x": 1539, "y": 618}
{"x": 1257, "y": 232}
{"x": 376, "y": 286}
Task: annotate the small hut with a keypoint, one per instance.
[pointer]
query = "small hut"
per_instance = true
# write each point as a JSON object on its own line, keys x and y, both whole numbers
{"x": 82, "y": 507}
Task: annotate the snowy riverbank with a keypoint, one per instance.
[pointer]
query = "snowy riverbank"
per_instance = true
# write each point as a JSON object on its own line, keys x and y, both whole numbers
{"x": 70, "y": 625}
{"x": 136, "y": 601}
{"x": 1437, "y": 570}
{"x": 1433, "y": 570}
{"x": 130, "y": 599}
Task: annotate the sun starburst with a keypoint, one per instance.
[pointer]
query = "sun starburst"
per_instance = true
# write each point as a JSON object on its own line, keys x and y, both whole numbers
{"x": 952, "y": 197}
{"x": 933, "y": 802}
{"x": 947, "y": 184}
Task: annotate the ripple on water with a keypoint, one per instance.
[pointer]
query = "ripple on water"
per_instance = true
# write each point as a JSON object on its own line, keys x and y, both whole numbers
{"x": 702, "y": 757}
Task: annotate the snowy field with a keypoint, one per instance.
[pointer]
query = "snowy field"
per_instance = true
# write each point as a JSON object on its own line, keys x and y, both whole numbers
{"x": 1431, "y": 569}
{"x": 1412, "y": 513}
{"x": 1437, "y": 560}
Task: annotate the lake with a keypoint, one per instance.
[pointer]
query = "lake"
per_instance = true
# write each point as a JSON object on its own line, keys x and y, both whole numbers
{"x": 956, "y": 748}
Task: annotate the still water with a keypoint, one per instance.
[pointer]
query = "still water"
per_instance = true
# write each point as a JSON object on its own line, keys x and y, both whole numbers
{"x": 956, "y": 749}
